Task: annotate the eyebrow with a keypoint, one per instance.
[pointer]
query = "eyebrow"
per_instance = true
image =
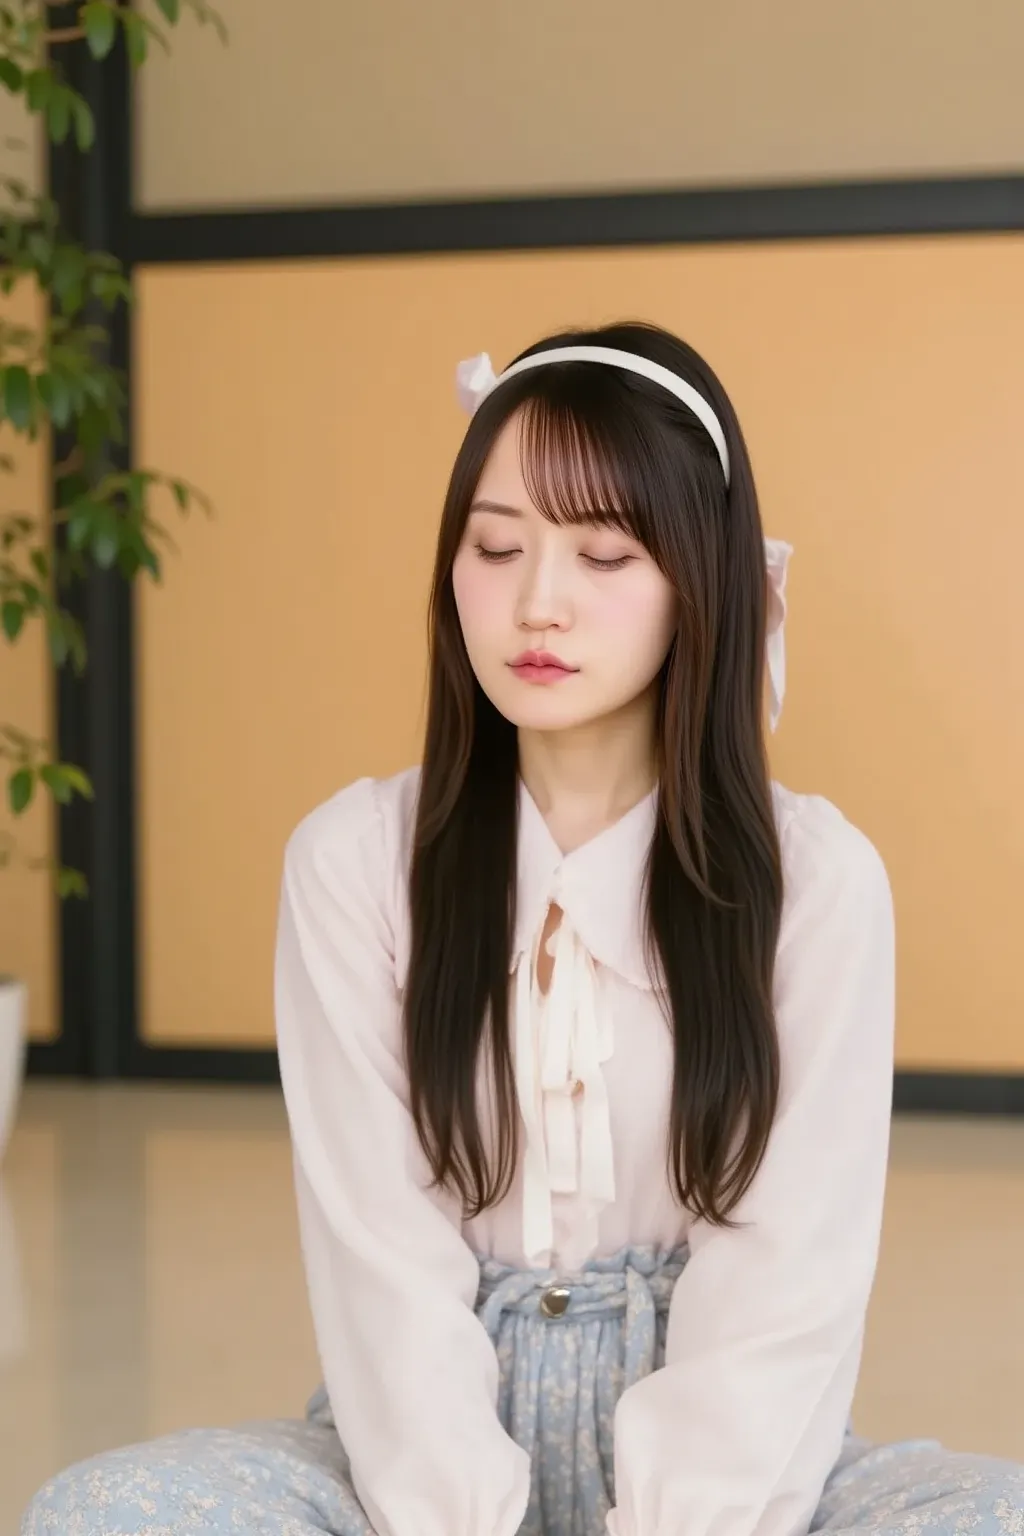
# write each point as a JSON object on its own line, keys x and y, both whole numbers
{"x": 496, "y": 506}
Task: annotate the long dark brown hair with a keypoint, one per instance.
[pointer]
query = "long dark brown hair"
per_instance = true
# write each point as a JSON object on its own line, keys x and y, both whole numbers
{"x": 600, "y": 438}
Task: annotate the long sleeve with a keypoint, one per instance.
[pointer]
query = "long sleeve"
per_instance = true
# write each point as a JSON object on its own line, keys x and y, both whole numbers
{"x": 410, "y": 1373}
{"x": 737, "y": 1435}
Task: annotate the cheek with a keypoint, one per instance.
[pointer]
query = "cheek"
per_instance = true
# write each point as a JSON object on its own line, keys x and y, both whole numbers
{"x": 474, "y": 594}
{"x": 642, "y": 611}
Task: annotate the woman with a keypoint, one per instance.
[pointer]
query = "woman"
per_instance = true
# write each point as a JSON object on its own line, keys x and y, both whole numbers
{"x": 586, "y": 1039}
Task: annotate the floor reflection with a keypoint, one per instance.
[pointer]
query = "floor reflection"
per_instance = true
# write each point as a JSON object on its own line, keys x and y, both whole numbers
{"x": 13, "y": 1331}
{"x": 160, "y": 1273}
{"x": 150, "y": 1278}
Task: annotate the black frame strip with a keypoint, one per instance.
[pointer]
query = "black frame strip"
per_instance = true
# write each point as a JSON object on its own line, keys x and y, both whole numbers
{"x": 94, "y": 713}
{"x": 958, "y": 1093}
{"x": 810, "y": 211}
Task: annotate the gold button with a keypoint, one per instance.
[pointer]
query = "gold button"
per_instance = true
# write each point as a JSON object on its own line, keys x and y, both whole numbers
{"x": 554, "y": 1300}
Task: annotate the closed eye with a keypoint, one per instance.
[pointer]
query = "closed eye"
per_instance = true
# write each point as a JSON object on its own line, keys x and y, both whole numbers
{"x": 495, "y": 556}
{"x": 503, "y": 556}
{"x": 608, "y": 565}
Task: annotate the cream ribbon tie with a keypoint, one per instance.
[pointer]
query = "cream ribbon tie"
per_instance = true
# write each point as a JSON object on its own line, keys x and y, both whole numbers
{"x": 562, "y": 1040}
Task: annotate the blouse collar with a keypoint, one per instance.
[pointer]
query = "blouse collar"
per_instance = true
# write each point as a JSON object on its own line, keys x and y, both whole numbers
{"x": 599, "y": 886}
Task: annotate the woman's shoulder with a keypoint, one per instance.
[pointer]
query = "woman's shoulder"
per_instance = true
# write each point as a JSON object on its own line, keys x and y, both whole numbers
{"x": 822, "y": 850}
{"x": 366, "y": 827}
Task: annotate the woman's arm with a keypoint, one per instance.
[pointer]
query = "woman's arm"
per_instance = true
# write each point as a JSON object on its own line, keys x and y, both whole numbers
{"x": 737, "y": 1435}
{"x": 410, "y": 1372}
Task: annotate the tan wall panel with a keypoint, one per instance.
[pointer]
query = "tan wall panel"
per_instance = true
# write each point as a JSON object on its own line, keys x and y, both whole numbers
{"x": 326, "y": 101}
{"x": 881, "y": 387}
{"x": 27, "y": 904}
{"x": 22, "y": 146}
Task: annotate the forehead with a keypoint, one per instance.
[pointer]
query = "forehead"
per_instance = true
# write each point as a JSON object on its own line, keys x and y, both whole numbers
{"x": 503, "y": 471}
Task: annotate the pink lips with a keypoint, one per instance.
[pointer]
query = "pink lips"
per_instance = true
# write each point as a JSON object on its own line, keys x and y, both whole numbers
{"x": 541, "y": 667}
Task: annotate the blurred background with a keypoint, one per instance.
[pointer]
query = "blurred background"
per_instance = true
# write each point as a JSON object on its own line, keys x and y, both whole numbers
{"x": 320, "y": 218}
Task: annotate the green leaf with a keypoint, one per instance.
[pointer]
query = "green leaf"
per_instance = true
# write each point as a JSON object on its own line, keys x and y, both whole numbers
{"x": 91, "y": 428}
{"x": 139, "y": 482}
{"x": 53, "y": 391}
{"x": 71, "y": 882}
{"x": 12, "y": 76}
{"x": 31, "y": 596}
{"x": 38, "y": 86}
{"x": 64, "y": 781}
{"x": 18, "y": 397}
{"x": 105, "y": 548}
{"x": 40, "y": 563}
{"x": 54, "y": 779}
{"x": 59, "y": 646}
{"x": 110, "y": 289}
{"x": 70, "y": 489}
{"x": 16, "y": 739}
{"x": 13, "y": 618}
{"x": 137, "y": 38}
{"x": 80, "y": 524}
{"x": 20, "y": 789}
{"x": 69, "y": 272}
{"x": 100, "y": 23}
{"x": 76, "y": 639}
{"x": 58, "y": 113}
{"x": 171, "y": 10}
{"x": 181, "y": 494}
{"x": 85, "y": 125}
{"x": 207, "y": 14}
{"x": 80, "y": 782}
{"x": 15, "y": 528}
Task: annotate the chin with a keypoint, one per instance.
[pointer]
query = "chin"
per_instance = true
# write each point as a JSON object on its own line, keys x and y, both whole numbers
{"x": 539, "y": 708}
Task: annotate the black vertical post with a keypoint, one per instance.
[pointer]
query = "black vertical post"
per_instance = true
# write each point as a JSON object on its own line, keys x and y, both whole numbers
{"x": 94, "y": 725}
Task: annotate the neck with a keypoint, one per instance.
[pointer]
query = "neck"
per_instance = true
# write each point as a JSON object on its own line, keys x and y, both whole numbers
{"x": 587, "y": 778}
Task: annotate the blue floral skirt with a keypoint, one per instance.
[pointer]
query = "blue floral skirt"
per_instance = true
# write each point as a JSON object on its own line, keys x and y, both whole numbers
{"x": 566, "y": 1351}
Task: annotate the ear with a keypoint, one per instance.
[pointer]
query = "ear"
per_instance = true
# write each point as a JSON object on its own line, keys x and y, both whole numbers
{"x": 777, "y": 556}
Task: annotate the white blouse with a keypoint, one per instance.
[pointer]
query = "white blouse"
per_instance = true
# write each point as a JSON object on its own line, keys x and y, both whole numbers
{"x": 737, "y": 1434}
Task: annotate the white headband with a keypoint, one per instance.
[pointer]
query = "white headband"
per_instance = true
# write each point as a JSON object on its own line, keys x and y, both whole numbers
{"x": 475, "y": 379}
{"x": 633, "y": 363}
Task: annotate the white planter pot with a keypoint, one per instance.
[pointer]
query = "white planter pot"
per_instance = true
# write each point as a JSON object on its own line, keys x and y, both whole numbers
{"x": 13, "y": 999}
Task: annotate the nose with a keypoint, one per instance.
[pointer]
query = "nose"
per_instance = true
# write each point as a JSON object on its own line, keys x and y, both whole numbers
{"x": 543, "y": 600}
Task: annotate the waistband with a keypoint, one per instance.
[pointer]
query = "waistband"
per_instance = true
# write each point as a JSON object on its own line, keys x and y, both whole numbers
{"x": 634, "y": 1285}
{"x": 600, "y": 1289}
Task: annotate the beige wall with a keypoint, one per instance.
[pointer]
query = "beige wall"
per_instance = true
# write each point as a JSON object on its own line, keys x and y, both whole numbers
{"x": 27, "y": 914}
{"x": 324, "y": 101}
{"x": 22, "y": 147}
{"x": 881, "y": 386}
{"x": 28, "y": 940}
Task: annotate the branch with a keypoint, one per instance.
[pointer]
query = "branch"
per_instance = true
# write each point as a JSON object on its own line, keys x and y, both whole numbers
{"x": 74, "y": 461}
{"x": 64, "y": 35}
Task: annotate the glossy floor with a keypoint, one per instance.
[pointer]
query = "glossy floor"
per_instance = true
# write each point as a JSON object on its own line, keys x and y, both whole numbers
{"x": 150, "y": 1278}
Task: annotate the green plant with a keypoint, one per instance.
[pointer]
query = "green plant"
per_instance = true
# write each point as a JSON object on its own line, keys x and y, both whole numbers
{"x": 58, "y": 379}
